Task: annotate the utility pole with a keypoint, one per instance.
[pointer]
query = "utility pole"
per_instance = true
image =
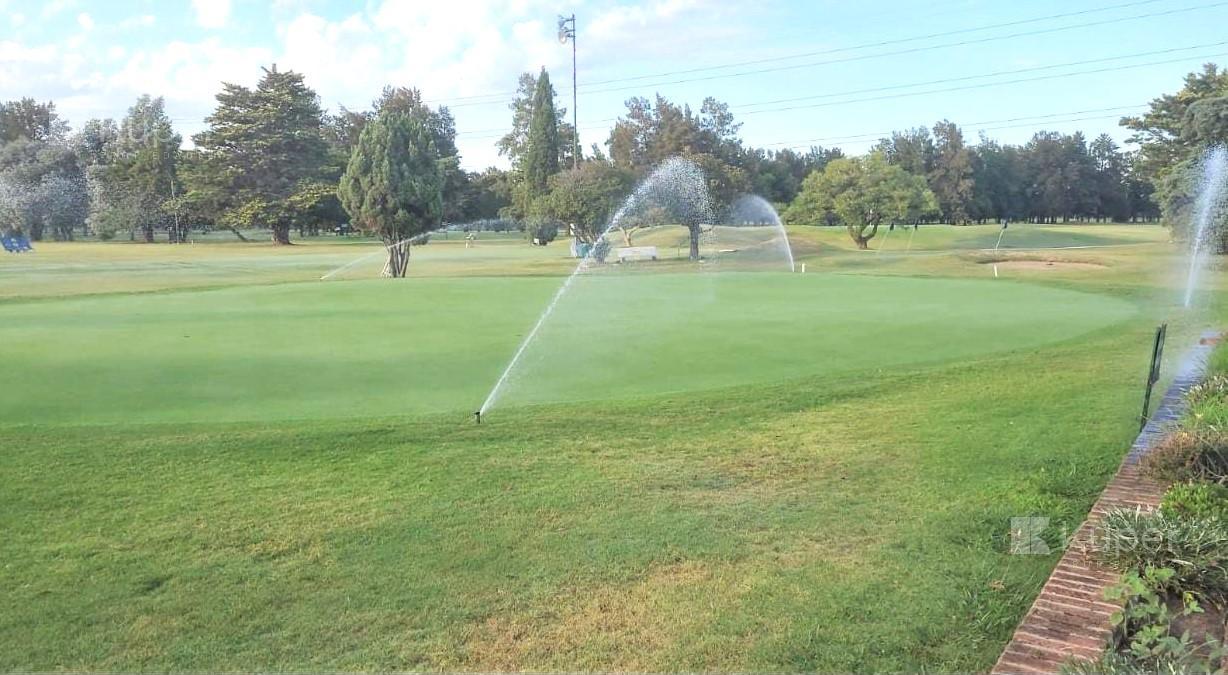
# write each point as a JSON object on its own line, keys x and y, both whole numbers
{"x": 179, "y": 236}
{"x": 567, "y": 31}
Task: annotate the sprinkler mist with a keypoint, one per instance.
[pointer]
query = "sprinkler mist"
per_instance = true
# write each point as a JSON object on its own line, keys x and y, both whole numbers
{"x": 677, "y": 191}
{"x": 1210, "y": 189}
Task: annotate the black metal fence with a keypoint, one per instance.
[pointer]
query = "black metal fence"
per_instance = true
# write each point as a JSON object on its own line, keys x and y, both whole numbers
{"x": 1153, "y": 373}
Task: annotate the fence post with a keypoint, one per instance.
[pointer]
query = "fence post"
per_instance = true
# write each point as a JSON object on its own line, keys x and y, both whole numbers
{"x": 1153, "y": 373}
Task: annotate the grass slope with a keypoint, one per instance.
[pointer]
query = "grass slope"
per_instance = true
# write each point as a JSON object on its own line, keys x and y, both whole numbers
{"x": 850, "y": 517}
{"x": 852, "y": 523}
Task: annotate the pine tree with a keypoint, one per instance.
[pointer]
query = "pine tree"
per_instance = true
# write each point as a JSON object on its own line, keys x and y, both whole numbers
{"x": 393, "y": 184}
{"x": 261, "y": 145}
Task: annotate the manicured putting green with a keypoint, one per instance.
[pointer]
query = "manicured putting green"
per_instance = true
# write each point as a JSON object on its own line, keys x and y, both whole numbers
{"x": 371, "y": 348}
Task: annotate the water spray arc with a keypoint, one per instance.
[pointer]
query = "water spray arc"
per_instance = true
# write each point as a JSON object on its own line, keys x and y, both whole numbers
{"x": 1212, "y": 176}
{"x": 757, "y": 210}
{"x": 677, "y": 186}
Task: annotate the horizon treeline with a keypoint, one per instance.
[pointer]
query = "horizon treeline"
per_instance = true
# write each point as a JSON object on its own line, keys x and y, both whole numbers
{"x": 271, "y": 157}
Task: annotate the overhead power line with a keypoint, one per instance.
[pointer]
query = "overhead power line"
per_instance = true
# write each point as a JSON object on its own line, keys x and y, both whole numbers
{"x": 982, "y": 85}
{"x": 464, "y": 102}
{"x": 599, "y": 124}
{"x": 999, "y": 73}
{"x": 502, "y": 96}
{"x": 881, "y": 43}
{"x": 917, "y": 50}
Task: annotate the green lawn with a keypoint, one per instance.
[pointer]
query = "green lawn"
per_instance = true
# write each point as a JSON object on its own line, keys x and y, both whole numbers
{"x": 718, "y": 471}
{"x": 375, "y": 348}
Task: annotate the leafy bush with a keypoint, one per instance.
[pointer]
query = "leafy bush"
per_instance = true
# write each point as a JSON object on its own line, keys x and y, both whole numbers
{"x": 1145, "y": 630}
{"x": 1197, "y": 500}
{"x": 1145, "y": 622}
{"x": 1208, "y": 404}
{"x": 1196, "y": 550}
{"x": 542, "y": 231}
{"x": 1190, "y": 455}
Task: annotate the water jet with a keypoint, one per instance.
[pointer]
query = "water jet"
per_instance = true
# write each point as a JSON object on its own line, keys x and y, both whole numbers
{"x": 1212, "y": 175}
{"x": 674, "y": 194}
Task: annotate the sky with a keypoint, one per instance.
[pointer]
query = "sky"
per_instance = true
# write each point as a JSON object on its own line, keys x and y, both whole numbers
{"x": 795, "y": 72}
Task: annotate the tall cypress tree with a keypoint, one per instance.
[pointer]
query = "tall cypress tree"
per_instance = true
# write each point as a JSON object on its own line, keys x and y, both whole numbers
{"x": 541, "y": 159}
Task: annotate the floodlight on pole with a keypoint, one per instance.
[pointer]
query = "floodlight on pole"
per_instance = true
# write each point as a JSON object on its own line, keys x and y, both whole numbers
{"x": 567, "y": 32}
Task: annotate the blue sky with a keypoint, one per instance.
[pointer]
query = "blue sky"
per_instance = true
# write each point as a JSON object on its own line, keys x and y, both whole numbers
{"x": 816, "y": 76}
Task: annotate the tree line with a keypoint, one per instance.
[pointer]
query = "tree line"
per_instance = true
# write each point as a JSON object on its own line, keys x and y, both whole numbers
{"x": 272, "y": 158}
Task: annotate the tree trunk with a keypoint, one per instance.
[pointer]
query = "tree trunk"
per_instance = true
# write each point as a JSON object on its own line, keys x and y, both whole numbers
{"x": 149, "y": 234}
{"x": 237, "y": 233}
{"x": 281, "y": 235}
{"x": 398, "y": 259}
{"x": 695, "y": 244}
{"x": 859, "y": 237}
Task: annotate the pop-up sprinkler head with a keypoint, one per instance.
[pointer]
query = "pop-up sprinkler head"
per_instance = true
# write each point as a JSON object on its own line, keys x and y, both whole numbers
{"x": 477, "y": 416}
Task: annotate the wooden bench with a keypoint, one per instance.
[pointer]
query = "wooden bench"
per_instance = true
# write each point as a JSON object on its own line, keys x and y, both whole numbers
{"x": 630, "y": 253}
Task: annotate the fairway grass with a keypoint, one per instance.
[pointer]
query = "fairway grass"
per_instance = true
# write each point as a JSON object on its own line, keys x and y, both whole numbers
{"x": 707, "y": 472}
{"x": 374, "y": 348}
{"x": 849, "y": 523}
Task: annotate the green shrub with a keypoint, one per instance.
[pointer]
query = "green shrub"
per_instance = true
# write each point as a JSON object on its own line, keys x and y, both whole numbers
{"x": 542, "y": 231}
{"x": 1197, "y": 500}
{"x": 1113, "y": 663}
{"x": 1189, "y": 455}
{"x": 1208, "y": 403}
{"x": 1145, "y": 622}
{"x": 1195, "y": 549}
{"x": 1146, "y": 641}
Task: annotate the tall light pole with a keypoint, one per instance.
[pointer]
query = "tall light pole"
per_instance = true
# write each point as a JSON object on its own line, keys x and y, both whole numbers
{"x": 567, "y": 32}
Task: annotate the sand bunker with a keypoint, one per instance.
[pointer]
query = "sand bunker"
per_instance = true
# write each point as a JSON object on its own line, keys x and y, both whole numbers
{"x": 1051, "y": 265}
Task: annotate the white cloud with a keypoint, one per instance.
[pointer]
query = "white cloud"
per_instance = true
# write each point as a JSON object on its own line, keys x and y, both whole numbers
{"x": 85, "y": 21}
{"x": 57, "y": 6}
{"x": 447, "y": 48}
{"x": 211, "y": 13}
{"x": 342, "y": 60}
{"x": 139, "y": 21}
